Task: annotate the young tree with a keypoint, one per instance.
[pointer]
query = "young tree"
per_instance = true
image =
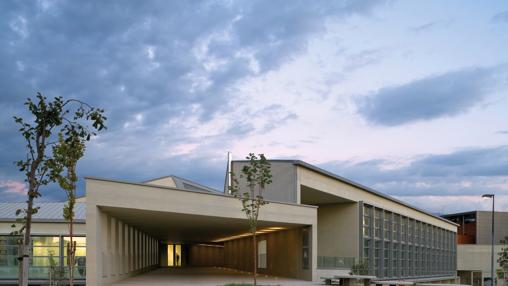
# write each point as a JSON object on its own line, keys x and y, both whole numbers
{"x": 257, "y": 175}
{"x": 503, "y": 261}
{"x": 70, "y": 118}
{"x": 66, "y": 155}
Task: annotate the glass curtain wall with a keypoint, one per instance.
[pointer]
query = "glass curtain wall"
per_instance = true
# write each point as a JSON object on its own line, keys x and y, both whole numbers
{"x": 79, "y": 260}
{"x": 398, "y": 246}
{"x": 47, "y": 257}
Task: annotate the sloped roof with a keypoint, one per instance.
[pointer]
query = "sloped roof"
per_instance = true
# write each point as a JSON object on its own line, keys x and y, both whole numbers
{"x": 354, "y": 184}
{"x": 48, "y": 211}
{"x": 186, "y": 184}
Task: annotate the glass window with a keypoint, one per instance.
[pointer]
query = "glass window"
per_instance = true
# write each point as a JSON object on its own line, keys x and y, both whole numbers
{"x": 80, "y": 257}
{"x": 8, "y": 257}
{"x": 305, "y": 248}
{"x": 262, "y": 254}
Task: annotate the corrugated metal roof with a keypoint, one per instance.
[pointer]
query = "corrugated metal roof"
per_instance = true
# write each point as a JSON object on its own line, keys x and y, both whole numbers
{"x": 47, "y": 212}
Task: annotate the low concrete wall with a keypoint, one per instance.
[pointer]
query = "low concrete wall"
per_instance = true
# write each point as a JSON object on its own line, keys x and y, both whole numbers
{"x": 284, "y": 254}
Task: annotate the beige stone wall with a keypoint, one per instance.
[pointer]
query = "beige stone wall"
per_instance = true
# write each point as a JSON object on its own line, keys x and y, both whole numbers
{"x": 284, "y": 254}
{"x": 338, "y": 233}
{"x": 335, "y": 187}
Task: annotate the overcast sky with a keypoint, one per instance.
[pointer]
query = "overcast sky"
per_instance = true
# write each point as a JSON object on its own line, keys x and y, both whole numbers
{"x": 407, "y": 97}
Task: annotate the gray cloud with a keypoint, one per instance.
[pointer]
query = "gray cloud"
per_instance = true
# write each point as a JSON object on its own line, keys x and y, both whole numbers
{"x": 160, "y": 62}
{"x": 464, "y": 172}
{"x": 432, "y": 97}
{"x": 430, "y": 25}
{"x": 500, "y": 17}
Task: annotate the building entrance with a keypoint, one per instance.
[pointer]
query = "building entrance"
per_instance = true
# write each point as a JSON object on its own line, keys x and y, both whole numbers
{"x": 174, "y": 255}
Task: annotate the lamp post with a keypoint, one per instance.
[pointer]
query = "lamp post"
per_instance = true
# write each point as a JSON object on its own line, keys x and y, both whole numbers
{"x": 493, "y": 274}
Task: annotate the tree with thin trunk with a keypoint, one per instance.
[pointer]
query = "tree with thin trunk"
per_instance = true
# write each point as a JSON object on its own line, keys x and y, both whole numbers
{"x": 503, "y": 261}
{"x": 256, "y": 175}
{"x": 66, "y": 155}
{"x": 70, "y": 118}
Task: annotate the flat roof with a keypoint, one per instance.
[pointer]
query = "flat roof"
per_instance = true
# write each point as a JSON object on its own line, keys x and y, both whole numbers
{"x": 473, "y": 212}
{"x": 354, "y": 184}
{"x": 221, "y": 194}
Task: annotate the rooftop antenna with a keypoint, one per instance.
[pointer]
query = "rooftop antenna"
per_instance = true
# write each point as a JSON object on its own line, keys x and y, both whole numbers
{"x": 227, "y": 180}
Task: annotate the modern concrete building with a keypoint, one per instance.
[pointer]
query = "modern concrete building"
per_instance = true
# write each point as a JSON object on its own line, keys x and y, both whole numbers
{"x": 316, "y": 224}
{"x": 474, "y": 244}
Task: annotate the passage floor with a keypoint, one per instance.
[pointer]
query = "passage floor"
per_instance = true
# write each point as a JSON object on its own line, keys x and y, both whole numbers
{"x": 203, "y": 276}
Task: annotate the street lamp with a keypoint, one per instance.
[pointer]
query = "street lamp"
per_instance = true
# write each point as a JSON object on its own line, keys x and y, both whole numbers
{"x": 493, "y": 275}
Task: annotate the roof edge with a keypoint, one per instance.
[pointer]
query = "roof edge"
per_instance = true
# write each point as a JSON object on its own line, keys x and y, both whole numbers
{"x": 365, "y": 188}
{"x": 183, "y": 190}
{"x": 354, "y": 184}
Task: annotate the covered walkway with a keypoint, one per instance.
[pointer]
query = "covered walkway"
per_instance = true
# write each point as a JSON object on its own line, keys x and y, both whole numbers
{"x": 203, "y": 276}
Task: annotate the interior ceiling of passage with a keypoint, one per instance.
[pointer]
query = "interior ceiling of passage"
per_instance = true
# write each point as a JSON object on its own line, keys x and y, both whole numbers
{"x": 311, "y": 196}
{"x": 185, "y": 228}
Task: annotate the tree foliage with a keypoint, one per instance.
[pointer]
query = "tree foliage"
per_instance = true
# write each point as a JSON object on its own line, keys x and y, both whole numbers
{"x": 256, "y": 175}
{"x": 503, "y": 261}
{"x": 360, "y": 268}
{"x": 66, "y": 155}
{"x": 49, "y": 121}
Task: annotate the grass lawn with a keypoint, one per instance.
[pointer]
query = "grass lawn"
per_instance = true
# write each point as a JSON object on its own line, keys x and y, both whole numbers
{"x": 245, "y": 284}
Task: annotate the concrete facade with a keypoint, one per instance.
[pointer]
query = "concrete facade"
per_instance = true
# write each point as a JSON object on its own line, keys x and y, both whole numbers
{"x": 110, "y": 209}
{"x": 316, "y": 224}
{"x": 484, "y": 226}
{"x": 476, "y": 258}
{"x": 284, "y": 185}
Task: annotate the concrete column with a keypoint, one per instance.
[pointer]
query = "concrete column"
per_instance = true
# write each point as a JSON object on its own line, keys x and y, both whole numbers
{"x": 121, "y": 253}
{"x": 131, "y": 249}
{"x": 126, "y": 249}
{"x": 109, "y": 259}
{"x": 152, "y": 251}
{"x": 95, "y": 239}
{"x": 314, "y": 252}
{"x": 143, "y": 253}
{"x": 112, "y": 247}
{"x": 135, "y": 249}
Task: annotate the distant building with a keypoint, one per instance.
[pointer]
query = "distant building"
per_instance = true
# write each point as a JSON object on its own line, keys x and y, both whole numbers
{"x": 474, "y": 241}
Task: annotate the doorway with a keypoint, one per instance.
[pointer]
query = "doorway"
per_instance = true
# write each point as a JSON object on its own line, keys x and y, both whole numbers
{"x": 174, "y": 255}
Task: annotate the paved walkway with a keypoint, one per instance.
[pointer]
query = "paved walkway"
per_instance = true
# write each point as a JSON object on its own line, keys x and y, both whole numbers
{"x": 203, "y": 277}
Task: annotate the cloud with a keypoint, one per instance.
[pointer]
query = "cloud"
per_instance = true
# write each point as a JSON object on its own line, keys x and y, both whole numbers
{"x": 470, "y": 172}
{"x": 166, "y": 73}
{"x": 430, "y": 25}
{"x": 448, "y": 204}
{"x": 500, "y": 17}
{"x": 13, "y": 187}
{"x": 432, "y": 97}
{"x": 502, "y": 132}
